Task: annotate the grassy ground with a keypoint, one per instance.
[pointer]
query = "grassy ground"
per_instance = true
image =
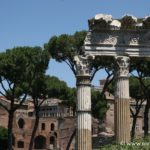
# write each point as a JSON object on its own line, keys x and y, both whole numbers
{"x": 138, "y": 144}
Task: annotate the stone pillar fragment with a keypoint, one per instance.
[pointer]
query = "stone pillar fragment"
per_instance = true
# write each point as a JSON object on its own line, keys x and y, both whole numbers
{"x": 84, "y": 138}
{"x": 122, "y": 99}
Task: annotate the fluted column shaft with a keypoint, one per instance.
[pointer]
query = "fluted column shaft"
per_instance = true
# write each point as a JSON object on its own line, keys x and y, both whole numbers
{"x": 122, "y": 110}
{"x": 83, "y": 113}
{"x": 84, "y": 137}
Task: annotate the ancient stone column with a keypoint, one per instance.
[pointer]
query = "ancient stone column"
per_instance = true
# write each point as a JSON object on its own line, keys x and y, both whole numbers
{"x": 84, "y": 141}
{"x": 122, "y": 99}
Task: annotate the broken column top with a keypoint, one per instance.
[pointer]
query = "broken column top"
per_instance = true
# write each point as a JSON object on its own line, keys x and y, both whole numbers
{"x": 127, "y": 22}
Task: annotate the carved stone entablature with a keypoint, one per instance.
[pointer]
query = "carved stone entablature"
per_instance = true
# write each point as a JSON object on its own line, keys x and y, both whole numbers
{"x": 83, "y": 65}
{"x": 146, "y": 22}
{"x": 115, "y": 25}
{"x": 127, "y": 22}
{"x": 103, "y": 17}
{"x": 118, "y": 38}
{"x": 112, "y": 37}
{"x": 122, "y": 66}
{"x": 100, "y": 21}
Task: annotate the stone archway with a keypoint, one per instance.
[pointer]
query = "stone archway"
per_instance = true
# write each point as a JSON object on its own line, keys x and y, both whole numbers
{"x": 40, "y": 142}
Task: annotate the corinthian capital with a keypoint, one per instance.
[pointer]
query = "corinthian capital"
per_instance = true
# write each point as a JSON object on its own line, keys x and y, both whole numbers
{"x": 123, "y": 63}
{"x": 83, "y": 64}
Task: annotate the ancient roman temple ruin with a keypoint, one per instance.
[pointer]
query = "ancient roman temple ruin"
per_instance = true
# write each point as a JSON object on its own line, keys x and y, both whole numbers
{"x": 122, "y": 39}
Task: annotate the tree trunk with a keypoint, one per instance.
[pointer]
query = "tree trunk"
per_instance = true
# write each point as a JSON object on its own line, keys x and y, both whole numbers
{"x": 36, "y": 123}
{"x": 70, "y": 140}
{"x": 146, "y": 112}
{"x": 133, "y": 127}
{"x": 10, "y": 126}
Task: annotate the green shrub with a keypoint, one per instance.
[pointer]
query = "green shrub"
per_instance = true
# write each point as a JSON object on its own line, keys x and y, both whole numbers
{"x": 3, "y": 133}
{"x": 137, "y": 144}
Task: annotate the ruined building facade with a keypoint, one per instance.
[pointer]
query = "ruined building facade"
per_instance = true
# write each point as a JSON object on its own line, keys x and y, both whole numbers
{"x": 56, "y": 125}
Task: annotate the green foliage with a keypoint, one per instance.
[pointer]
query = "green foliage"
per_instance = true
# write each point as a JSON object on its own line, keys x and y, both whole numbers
{"x": 99, "y": 104}
{"x": 18, "y": 67}
{"x": 135, "y": 88}
{"x": 141, "y": 66}
{"x": 65, "y": 46}
{"x": 71, "y": 98}
{"x": 138, "y": 144}
{"x": 104, "y": 62}
{"x": 38, "y": 87}
{"x": 56, "y": 88}
{"x": 125, "y": 147}
{"x": 3, "y": 133}
{"x": 111, "y": 87}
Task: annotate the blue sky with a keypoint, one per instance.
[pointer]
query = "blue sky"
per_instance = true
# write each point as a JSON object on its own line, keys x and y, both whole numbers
{"x": 33, "y": 22}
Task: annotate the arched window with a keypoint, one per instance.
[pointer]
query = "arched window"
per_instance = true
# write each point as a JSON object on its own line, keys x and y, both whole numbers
{"x": 52, "y": 127}
{"x": 40, "y": 142}
{"x": 21, "y": 123}
{"x": 20, "y": 144}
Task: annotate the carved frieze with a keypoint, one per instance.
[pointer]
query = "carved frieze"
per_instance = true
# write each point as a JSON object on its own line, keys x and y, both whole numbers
{"x": 127, "y": 39}
{"x": 127, "y": 31}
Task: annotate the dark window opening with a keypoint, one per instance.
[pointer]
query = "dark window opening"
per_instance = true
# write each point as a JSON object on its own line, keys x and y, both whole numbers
{"x": 52, "y": 127}
{"x": 40, "y": 142}
{"x": 21, "y": 123}
{"x": 30, "y": 114}
{"x": 20, "y": 144}
{"x": 43, "y": 126}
